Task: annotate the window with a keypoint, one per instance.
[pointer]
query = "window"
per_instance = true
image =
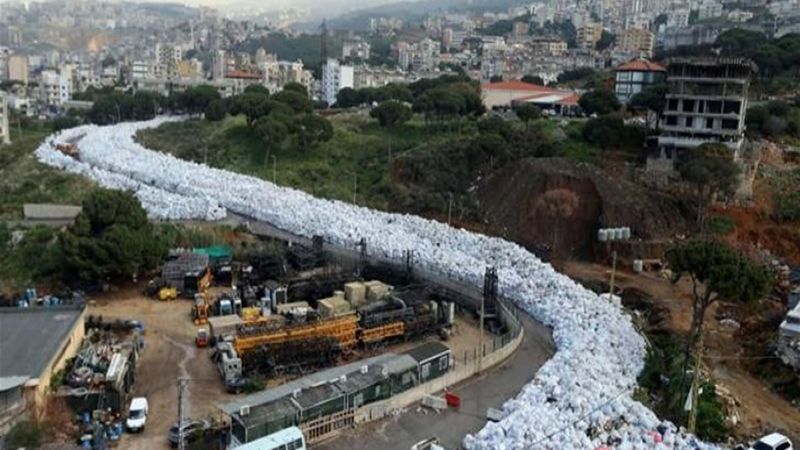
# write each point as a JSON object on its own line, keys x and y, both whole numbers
{"x": 377, "y": 391}
{"x": 709, "y": 123}
{"x": 689, "y": 122}
{"x": 358, "y": 399}
{"x": 688, "y": 105}
{"x": 426, "y": 370}
{"x": 730, "y": 124}
{"x": 295, "y": 444}
{"x": 443, "y": 363}
{"x": 784, "y": 446}
{"x": 732, "y": 107}
{"x": 714, "y": 106}
{"x": 672, "y": 105}
{"x": 672, "y": 120}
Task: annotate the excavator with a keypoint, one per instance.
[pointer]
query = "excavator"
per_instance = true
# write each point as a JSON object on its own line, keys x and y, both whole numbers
{"x": 201, "y": 309}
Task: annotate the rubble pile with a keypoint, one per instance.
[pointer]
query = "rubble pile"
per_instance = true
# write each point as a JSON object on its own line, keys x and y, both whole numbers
{"x": 581, "y": 398}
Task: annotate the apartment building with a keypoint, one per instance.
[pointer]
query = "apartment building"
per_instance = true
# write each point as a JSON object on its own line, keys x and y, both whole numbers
{"x": 167, "y": 58}
{"x": 707, "y": 102}
{"x": 637, "y": 40}
{"x": 335, "y": 77}
{"x": 5, "y": 134}
{"x": 588, "y": 35}
{"x": 635, "y": 76}
{"x": 56, "y": 85}
{"x": 18, "y": 68}
{"x": 548, "y": 46}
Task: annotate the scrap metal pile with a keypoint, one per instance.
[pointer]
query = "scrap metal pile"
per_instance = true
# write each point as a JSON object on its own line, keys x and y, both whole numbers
{"x": 586, "y": 386}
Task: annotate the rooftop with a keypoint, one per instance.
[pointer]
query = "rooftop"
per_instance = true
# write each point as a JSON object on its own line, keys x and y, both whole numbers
{"x": 242, "y": 74}
{"x": 31, "y": 337}
{"x": 641, "y": 65}
{"x": 427, "y": 351}
{"x": 515, "y": 85}
{"x": 49, "y": 211}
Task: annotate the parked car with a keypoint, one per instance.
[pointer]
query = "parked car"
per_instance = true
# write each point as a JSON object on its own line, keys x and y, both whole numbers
{"x": 192, "y": 431}
{"x": 774, "y": 441}
{"x": 137, "y": 414}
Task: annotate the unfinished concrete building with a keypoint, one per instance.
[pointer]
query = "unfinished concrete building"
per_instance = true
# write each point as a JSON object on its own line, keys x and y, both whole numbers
{"x": 707, "y": 102}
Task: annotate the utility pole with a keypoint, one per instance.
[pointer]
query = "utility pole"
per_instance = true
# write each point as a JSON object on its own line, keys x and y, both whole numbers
{"x": 182, "y": 383}
{"x": 274, "y": 168}
{"x": 490, "y": 294}
{"x": 609, "y": 235}
{"x": 449, "y": 207}
{"x": 355, "y": 187}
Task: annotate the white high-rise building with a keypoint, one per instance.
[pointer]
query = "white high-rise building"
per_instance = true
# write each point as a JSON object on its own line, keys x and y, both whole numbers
{"x": 335, "y": 77}
{"x": 167, "y": 58}
{"x": 5, "y": 138}
{"x": 57, "y": 85}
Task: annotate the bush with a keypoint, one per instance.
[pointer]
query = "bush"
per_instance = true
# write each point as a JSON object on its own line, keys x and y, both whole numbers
{"x": 787, "y": 207}
{"x": 721, "y": 225}
{"x": 27, "y": 435}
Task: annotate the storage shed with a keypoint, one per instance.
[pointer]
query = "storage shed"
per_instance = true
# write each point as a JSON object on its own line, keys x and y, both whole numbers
{"x": 433, "y": 360}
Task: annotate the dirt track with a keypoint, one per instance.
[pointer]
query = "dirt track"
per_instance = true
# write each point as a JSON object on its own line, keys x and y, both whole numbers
{"x": 761, "y": 410}
{"x": 169, "y": 353}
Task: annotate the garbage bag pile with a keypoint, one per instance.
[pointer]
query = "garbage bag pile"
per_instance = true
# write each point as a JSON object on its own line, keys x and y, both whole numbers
{"x": 581, "y": 398}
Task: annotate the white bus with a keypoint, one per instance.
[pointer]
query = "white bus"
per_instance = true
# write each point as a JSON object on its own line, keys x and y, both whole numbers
{"x": 287, "y": 439}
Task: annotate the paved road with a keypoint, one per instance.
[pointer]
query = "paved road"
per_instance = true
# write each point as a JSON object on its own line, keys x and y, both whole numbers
{"x": 477, "y": 394}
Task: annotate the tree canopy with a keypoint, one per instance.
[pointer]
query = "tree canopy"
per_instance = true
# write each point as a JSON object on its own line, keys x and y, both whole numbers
{"x": 711, "y": 171}
{"x": 600, "y": 101}
{"x": 111, "y": 240}
{"x": 391, "y": 113}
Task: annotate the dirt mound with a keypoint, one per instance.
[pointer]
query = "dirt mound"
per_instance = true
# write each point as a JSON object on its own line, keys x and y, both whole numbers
{"x": 539, "y": 201}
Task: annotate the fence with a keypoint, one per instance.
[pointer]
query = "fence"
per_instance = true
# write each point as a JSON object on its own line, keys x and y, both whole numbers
{"x": 464, "y": 294}
{"x": 327, "y": 426}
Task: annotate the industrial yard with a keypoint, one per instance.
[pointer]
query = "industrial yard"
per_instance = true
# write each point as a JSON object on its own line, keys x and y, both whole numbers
{"x": 170, "y": 353}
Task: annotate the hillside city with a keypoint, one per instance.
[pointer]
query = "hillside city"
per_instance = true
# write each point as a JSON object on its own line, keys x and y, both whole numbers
{"x": 483, "y": 224}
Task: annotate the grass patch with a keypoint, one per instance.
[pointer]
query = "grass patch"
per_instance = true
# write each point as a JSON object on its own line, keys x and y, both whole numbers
{"x": 357, "y": 155}
{"x": 23, "y": 179}
{"x": 721, "y": 225}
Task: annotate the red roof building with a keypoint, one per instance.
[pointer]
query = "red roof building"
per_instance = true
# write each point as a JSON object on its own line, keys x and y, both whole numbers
{"x": 634, "y": 76}
{"x": 505, "y": 94}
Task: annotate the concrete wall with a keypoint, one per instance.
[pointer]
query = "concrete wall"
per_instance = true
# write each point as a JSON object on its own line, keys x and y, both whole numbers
{"x": 36, "y": 389}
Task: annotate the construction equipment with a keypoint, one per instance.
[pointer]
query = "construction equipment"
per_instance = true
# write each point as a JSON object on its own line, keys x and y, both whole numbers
{"x": 167, "y": 293}
{"x": 342, "y": 329}
{"x": 251, "y": 313}
{"x": 200, "y": 309}
{"x": 201, "y": 340}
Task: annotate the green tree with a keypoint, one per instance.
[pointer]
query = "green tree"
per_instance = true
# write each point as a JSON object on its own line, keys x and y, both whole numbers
{"x": 64, "y": 122}
{"x": 528, "y": 112}
{"x": 273, "y": 131}
{"x": 196, "y": 99}
{"x": 604, "y": 131}
{"x": 716, "y": 272}
{"x": 533, "y": 79}
{"x": 296, "y": 87}
{"x": 347, "y": 98}
{"x": 295, "y": 100}
{"x": 397, "y": 91}
{"x": 391, "y": 113}
{"x": 711, "y": 171}
{"x": 600, "y": 102}
{"x": 314, "y": 129}
{"x": 606, "y": 40}
{"x": 256, "y": 89}
{"x": 216, "y": 110}
{"x": 252, "y": 104}
{"x": 496, "y": 126}
{"x": 111, "y": 240}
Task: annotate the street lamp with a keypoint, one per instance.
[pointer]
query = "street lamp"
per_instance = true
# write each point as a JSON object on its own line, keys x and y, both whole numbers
{"x": 609, "y": 235}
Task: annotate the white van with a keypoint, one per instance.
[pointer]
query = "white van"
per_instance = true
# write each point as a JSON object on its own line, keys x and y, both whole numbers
{"x": 137, "y": 414}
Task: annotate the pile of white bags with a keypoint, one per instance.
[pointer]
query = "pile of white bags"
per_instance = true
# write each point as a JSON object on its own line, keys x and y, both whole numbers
{"x": 581, "y": 398}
